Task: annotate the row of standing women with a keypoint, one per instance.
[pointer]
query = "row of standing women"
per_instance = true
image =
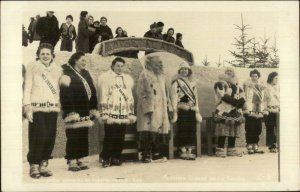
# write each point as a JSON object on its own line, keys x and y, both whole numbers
{"x": 50, "y": 88}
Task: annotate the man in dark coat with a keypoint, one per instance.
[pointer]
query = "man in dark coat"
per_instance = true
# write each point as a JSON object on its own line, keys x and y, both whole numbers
{"x": 48, "y": 29}
{"x": 160, "y": 28}
{"x": 152, "y": 33}
{"x": 82, "y": 41}
{"x": 105, "y": 30}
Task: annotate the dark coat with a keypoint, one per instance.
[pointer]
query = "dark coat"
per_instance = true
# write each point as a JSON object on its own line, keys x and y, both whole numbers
{"x": 74, "y": 98}
{"x": 179, "y": 43}
{"x": 47, "y": 28}
{"x": 168, "y": 39}
{"x": 82, "y": 42}
{"x": 105, "y": 32}
{"x": 149, "y": 34}
{"x": 94, "y": 38}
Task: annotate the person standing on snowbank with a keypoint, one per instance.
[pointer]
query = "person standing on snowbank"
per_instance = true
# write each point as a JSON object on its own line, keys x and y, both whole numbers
{"x": 184, "y": 99}
{"x": 254, "y": 111}
{"x": 41, "y": 106}
{"x": 272, "y": 99}
{"x": 68, "y": 34}
{"x": 79, "y": 105}
{"x": 228, "y": 115}
{"x": 116, "y": 105}
{"x": 152, "y": 113}
{"x": 47, "y": 28}
{"x": 82, "y": 41}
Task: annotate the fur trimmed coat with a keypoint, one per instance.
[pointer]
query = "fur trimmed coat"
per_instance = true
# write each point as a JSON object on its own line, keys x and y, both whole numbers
{"x": 116, "y": 102}
{"x": 152, "y": 97}
{"x": 78, "y": 108}
{"x": 41, "y": 87}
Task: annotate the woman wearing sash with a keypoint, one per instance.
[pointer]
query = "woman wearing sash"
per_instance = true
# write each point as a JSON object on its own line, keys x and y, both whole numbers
{"x": 79, "y": 105}
{"x": 41, "y": 106}
{"x": 228, "y": 115}
{"x": 254, "y": 111}
{"x": 186, "y": 111}
{"x": 116, "y": 106}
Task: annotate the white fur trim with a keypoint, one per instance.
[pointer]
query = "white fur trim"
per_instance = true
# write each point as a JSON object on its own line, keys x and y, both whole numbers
{"x": 117, "y": 121}
{"x": 94, "y": 113}
{"x": 47, "y": 110}
{"x": 87, "y": 123}
{"x": 27, "y": 108}
{"x": 65, "y": 81}
{"x": 265, "y": 112}
{"x": 183, "y": 106}
{"x": 198, "y": 117}
{"x": 71, "y": 117}
{"x": 132, "y": 118}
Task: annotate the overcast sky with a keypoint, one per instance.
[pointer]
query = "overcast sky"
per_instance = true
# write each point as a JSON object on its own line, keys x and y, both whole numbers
{"x": 205, "y": 31}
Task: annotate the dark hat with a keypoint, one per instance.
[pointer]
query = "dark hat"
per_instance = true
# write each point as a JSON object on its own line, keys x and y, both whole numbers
{"x": 153, "y": 25}
{"x": 69, "y": 16}
{"x": 83, "y": 13}
{"x": 160, "y": 24}
{"x": 103, "y": 18}
{"x": 50, "y": 11}
{"x": 178, "y": 35}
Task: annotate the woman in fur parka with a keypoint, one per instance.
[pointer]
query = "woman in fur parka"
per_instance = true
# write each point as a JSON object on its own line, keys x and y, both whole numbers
{"x": 41, "y": 106}
{"x": 152, "y": 113}
{"x": 228, "y": 115}
{"x": 116, "y": 106}
{"x": 184, "y": 99}
{"x": 79, "y": 105}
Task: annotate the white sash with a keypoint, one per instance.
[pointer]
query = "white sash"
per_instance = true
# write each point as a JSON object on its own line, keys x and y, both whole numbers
{"x": 85, "y": 83}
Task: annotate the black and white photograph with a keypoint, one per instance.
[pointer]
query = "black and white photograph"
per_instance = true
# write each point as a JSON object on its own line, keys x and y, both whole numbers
{"x": 150, "y": 95}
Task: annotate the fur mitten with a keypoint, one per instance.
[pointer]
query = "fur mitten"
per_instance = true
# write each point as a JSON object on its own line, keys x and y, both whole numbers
{"x": 94, "y": 114}
{"x": 132, "y": 119}
{"x": 65, "y": 81}
{"x": 198, "y": 117}
{"x": 175, "y": 117}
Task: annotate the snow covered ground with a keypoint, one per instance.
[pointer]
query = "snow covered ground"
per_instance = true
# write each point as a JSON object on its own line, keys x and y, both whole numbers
{"x": 249, "y": 168}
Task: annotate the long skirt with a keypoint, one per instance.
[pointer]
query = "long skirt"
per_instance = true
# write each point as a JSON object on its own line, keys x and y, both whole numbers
{"x": 77, "y": 143}
{"x": 66, "y": 44}
{"x": 186, "y": 126}
{"x": 153, "y": 142}
{"x": 42, "y": 133}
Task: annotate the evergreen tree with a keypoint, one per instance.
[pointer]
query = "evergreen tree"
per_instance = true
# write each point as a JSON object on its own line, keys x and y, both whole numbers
{"x": 219, "y": 63}
{"x": 274, "y": 58}
{"x": 263, "y": 53}
{"x": 254, "y": 51}
{"x": 242, "y": 55}
{"x": 205, "y": 62}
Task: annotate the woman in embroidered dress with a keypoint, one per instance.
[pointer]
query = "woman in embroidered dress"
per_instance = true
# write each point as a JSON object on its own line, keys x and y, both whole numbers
{"x": 228, "y": 115}
{"x": 79, "y": 105}
{"x": 272, "y": 106}
{"x": 116, "y": 105}
{"x": 41, "y": 106}
{"x": 185, "y": 110}
{"x": 253, "y": 111}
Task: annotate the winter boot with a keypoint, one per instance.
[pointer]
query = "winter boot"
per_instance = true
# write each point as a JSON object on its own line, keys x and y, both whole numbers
{"x": 233, "y": 152}
{"x": 34, "y": 171}
{"x": 190, "y": 155}
{"x": 116, "y": 162}
{"x": 73, "y": 166}
{"x": 82, "y": 165}
{"x": 273, "y": 148}
{"x": 158, "y": 158}
{"x": 43, "y": 169}
{"x": 250, "y": 149}
{"x": 183, "y": 154}
{"x": 220, "y": 152}
{"x": 146, "y": 159}
{"x": 256, "y": 150}
{"x": 106, "y": 163}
